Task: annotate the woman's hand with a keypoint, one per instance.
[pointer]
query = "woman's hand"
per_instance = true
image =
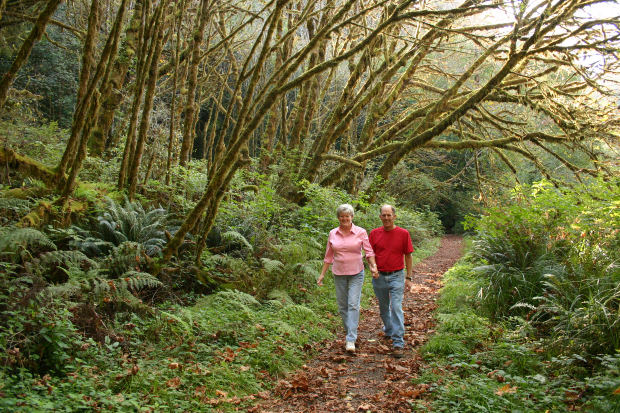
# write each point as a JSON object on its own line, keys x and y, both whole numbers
{"x": 374, "y": 270}
{"x": 319, "y": 281}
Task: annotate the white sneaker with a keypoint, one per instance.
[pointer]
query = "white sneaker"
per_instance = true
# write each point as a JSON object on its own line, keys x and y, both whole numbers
{"x": 350, "y": 346}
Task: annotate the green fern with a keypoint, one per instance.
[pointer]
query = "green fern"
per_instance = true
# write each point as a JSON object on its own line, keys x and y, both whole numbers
{"x": 123, "y": 287}
{"x": 136, "y": 281}
{"x": 65, "y": 259}
{"x": 309, "y": 268}
{"x": 11, "y": 209}
{"x": 298, "y": 312}
{"x": 281, "y": 296}
{"x": 234, "y": 238}
{"x": 120, "y": 224}
{"x": 237, "y": 297}
{"x": 11, "y": 239}
{"x": 126, "y": 257}
{"x": 232, "y": 265}
{"x": 272, "y": 266}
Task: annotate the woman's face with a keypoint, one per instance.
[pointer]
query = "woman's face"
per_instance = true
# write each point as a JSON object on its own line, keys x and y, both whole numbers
{"x": 345, "y": 220}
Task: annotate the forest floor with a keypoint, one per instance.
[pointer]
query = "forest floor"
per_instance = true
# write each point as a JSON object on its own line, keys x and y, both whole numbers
{"x": 371, "y": 379}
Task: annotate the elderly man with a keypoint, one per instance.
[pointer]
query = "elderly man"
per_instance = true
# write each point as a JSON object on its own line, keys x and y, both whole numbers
{"x": 393, "y": 248}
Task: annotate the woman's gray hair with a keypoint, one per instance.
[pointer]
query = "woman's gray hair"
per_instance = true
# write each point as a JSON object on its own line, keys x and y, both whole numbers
{"x": 345, "y": 209}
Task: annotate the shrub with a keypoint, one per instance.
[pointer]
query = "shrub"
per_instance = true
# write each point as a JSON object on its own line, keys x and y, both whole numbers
{"x": 551, "y": 255}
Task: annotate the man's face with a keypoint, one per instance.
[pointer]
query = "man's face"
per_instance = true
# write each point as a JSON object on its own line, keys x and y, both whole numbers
{"x": 387, "y": 218}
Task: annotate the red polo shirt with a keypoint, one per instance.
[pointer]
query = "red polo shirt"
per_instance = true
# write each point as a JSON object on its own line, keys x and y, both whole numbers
{"x": 390, "y": 247}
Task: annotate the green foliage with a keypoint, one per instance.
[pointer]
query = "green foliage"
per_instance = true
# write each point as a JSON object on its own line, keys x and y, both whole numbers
{"x": 460, "y": 290}
{"x": 51, "y": 72}
{"x": 42, "y": 142}
{"x": 119, "y": 224}
{"x": 125, "y": 257}
{"x": 233, "y": 238}
{"x": 37, "y": 333}
{"x": 581, "y": 313}
{"x": 119, "y": 347}
{"x": 551, "y": 255}
{"x": 12, "y": 209}
{"x": 20, "y": 244}
{"x": 513, "y": 364}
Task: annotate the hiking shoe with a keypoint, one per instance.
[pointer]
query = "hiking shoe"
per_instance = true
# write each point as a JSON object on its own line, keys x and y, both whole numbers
{"x": 397, "y": 352}
{"x": 350, "y": 347}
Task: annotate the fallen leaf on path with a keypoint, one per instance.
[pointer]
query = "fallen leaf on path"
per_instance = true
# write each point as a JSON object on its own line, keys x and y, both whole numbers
{"x": 506, "y": 389}
{"x": 174, "y": 383}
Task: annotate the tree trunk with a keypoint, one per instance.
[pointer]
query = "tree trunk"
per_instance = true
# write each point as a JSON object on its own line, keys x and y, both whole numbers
{"x": 175, "y": 80}
{"x": 91, "y": 101}
{"x": 112, "y": 94}
{"x": 160, "y": 22}
{"x": 190, "y": 106}
{"x": 24, "y": 51}
{"x": 141, "y": 73}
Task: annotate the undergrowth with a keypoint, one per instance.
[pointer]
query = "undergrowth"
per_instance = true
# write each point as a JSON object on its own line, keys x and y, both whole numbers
{"x": 528, "y": 321}
{"x": 86, "y": 326}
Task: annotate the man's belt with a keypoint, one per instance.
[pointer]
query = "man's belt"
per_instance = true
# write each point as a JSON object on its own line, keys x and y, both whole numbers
{"x": 388, "y": 272}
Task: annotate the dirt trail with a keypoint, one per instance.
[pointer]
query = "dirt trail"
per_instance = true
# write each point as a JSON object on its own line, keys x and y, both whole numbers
{"x": 371, "y": 380}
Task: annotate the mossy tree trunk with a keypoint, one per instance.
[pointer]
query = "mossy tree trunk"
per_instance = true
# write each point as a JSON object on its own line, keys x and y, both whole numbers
{"x": 190, "y": 105}
{"x": 26, "y": 47}
{"x": 160, "y": 23}
{"x": 89, "y": 104}
{"x": 112, "y": 93}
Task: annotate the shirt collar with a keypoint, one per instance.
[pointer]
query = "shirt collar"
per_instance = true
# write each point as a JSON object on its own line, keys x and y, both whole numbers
{"x": 354, "y": 229}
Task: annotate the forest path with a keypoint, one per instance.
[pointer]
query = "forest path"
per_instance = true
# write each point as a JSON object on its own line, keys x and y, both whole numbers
{"x": 371, "y": 379}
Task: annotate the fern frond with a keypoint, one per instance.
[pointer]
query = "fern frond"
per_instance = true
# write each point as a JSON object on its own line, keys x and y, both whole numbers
{"x": 272, "y": 266}
{"x": 216, "y": 260}
{"x": 136, "y": 281}
{"x": 94, "y": 247}
{"x": 65, "y": 259}
{"x": 13, "y": 238}
{"x": 125, "y": 257}
{"x": 235, "y": 238}
{"x": 298, "y": 311}
{"x": 63, "y": 291}
{"x": 309, "y": 268}
{"x": 236, "y": 297}
{"x": 16, "y": 206}
{"x": 120, "y": 224}
{"x": 281, "y": 296}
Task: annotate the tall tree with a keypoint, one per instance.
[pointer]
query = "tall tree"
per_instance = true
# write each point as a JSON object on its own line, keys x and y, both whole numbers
{"x": 24, "y": 51}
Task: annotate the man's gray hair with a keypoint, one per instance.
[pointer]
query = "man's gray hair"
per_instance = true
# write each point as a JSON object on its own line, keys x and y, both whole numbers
{"x": 387, "y": 205}
{"x": 345, "y": 209}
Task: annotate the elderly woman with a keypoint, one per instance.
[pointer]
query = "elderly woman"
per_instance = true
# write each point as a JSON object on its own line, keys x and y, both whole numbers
{"x": 344, "y": 252}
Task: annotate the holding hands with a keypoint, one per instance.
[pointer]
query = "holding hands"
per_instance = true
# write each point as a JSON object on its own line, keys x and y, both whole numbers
{"x": 374, "y": 270}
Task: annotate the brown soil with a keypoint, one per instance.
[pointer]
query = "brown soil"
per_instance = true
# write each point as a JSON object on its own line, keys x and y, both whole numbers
{"x": 371, "y": 380}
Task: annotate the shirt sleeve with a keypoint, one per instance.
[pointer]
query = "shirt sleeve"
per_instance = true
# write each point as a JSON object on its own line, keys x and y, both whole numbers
{"x": 329, "y": 251}
{"x": 369, "y": 252}
{"x": 409, "y": 244}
